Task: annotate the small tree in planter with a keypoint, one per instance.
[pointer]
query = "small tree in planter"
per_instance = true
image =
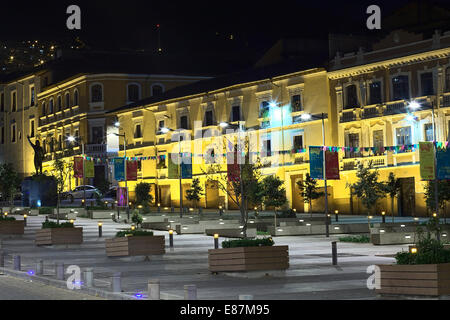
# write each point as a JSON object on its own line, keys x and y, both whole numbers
{"x": 274, "y": 194}
{"x": 9, "y": 182}
{"x": 58, "y": 233}
{"x": 443, "y": 195}
{"x": 367, "y": 188}
{"x": 392, "y": 187}
{"x": 308, "y": 190}
{"x": 136, "y": 218}
{"x": 143, "y": 196}
{"x": 61, "y": 172}
{"x": 195, "y": 192}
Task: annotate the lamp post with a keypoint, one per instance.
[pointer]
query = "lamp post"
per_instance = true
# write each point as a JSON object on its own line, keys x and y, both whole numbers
{"x": 125, "y": 166}
{"x": 305, "y": 117}
{"x": 73, "y": 139}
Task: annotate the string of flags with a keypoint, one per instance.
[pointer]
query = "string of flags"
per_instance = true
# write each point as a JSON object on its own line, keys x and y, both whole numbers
{"x": 401, "y": 148}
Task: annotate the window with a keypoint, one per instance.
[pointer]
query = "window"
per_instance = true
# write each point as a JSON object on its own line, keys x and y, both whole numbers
{"x": 351, "y": 98}
{"x": 264, "y": 109}
{"x": 400, "y": 88}
{"x": 50, "y": 106}
{"x": 403, "y": 136}
{"x": 67, "y": 102}
{"x": 375, "y": 92}
{"x": 96, "y": 93}
{"x": 352, "y": 141}
{"x": 209, "y": 120}
{"x": 59, "y": 142}
{"x": 97, "y": 135}
{"x": 236, "y": 113}
{"x": 133, "y": 92}
{"x": 267, "y": 148}
{"x": 138, "y": 131}
{"x": 75, "y": 98}
{"x": 32, "y": 96}
{"x": 378, "y": 142}
{"x": 298, "y": 142}
{"x": 447, "y": 79}
{"x": 428, "y": 127}
{"x": 3, "y": 135}
{"x": 59, "y": 103}
{"x": 161, "y": 124}
{"x": 13, "y": 133}
{"x": 161, "y": 161}
{"x": 426, "y": 83}
{"x": 296, "y": 103}
{"x": 2, "y": 102}
{"x": 52, "y": 144}
{"x": 44, "y": 109}
{"x": 157, "y": 90}
{"x": 14, "y": 101}
{"x": 32, "y": 128}
{"x": 184, "y": 122}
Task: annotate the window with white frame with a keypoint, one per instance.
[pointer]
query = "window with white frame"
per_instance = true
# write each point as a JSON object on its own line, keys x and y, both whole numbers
{"x": 50, "y": 106}
{"x": 235, "y": 113}
{"x": 403, "y": 136}
{"x": 184, "y": 123}
{"x": 298, "y": 142}
{"x": 75, "y": 98}
{"x": 13, "y": 132}
{"x": 59, "y": 103}
{"x": 138, "y": 131}
{"x": 428, "y": 131}
{"x": 375, "y": 95}
{"x": 296, "y": 102}
{"x": 378, "y": 141}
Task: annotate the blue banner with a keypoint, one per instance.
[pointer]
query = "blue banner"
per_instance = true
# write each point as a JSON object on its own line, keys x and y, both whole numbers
{"x": 443, "y": 163}
{"x": 119, "y": 169}
{"x": 316, "y": 162}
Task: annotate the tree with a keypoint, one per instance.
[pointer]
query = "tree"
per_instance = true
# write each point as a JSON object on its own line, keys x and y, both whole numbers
{"x": 308, "y": 190}
{"x": 9, "y": 182}
{"x": 274, "y": 194}
{"x": 392, "y": 187}
{"x": 367, "y": 188}
{"x": 443, "y": 194}
{"x": 194, "y": 193}
{"x": 61, "y": 171}
{"x": 143, "y": 196}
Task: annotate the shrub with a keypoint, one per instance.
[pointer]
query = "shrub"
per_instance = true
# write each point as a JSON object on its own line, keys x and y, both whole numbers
{"x": 287, "y": 214}
{"x": 135, "y": 232}
{"x": 265, "y": 242}
{"x": 429, "y": 251}
{"x": 263, "y": 233}
{"x": 6, "y": 218}
{"x": 52, "y": 224}
{"x": 359, "y": 239}
{"x": 45, "y": 210}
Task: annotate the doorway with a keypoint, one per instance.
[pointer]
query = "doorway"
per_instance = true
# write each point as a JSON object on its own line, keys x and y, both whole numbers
{"x": 407, "y": 197}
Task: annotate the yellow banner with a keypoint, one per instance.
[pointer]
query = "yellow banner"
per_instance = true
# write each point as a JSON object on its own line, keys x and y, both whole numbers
{"x": 89, "y": 169}
{"x": 426, "y": 155}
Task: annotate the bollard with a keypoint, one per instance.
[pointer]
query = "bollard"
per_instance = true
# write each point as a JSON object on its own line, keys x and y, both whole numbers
{"x": 245, "y": 297}
{"x": 60, "y": 271}
{"x": 159, "y": 208}
{"x": 216, "y": 241}
{"x": 334, "y": 252}
{"x": 25, "y": 219}
{"x": 88, "y": 277}
{"x": 40, "y": 267}
{"x": 336, "y": 214}
{"x": 116, "y": 282}
{"x": 190, "y": 292}
{"x": 16, "y": 262}
{"x": 153, "y": 289}
{"x": 171, "y": 238}
{"x": 100, "y": 229}
{"x": 383, "y": 216}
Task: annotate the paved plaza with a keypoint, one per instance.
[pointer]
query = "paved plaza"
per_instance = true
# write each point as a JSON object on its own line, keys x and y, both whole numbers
{"x": 311, "y": 274}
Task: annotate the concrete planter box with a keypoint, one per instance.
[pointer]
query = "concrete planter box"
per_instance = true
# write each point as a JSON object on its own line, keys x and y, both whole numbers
{"x": 12, "y": 227}
{"x": 201, "y": 228}
{"x": 231, "y": 233}
{"x": 303, "y": 229}
{"x": 417, "y": 280}
{"x": 248, "y": 259}
{"x": 66, "y": 213}
{"x": 52, "y": 236}
{"x": 103, "y": 214}
{"x": 135, "y": 246}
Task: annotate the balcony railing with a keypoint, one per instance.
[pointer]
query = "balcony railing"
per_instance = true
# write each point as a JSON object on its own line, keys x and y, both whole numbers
{"x": 95, "y": 148}
{"x": 395, "y": 107}
{"x": 348, "y": 116}
{"x": 370, "y": 112}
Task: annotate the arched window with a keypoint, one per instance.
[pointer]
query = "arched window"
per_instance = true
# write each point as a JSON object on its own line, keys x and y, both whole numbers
{"x": 59, "y": 103}
{"x": 44, "y": 109}
{"x": 157, "y": 90}
{"x": 133, "y": 92}
{"x": 50, "y": 106}
{"x": 96, "y": 93}
{"x": 447, "y": 79}
{"x": 75, "y": 98}
{"x": 67, "y": 102}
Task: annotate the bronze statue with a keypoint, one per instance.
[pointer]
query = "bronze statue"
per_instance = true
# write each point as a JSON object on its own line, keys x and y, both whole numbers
{"x": 38, "y": 155}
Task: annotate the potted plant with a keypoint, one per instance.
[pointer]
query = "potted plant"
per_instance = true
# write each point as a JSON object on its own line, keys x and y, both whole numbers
{"x": 248, "y": 255}
{"x": 423, "y": 270}
{"x": 9, "y": 225}
{"x": 58, "y": 233}
{"x": 134, "y": 242}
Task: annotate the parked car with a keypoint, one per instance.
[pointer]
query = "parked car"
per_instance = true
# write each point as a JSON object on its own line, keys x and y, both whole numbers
{"x": 78, "y": 193}
{"x": 111, "y": 193}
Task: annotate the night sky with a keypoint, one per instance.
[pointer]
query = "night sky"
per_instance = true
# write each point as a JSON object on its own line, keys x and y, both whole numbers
{"x": 189, "y": 26}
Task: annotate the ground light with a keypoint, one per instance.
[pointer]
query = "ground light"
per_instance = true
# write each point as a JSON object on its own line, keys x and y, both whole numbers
{"x": 413, "y": 250}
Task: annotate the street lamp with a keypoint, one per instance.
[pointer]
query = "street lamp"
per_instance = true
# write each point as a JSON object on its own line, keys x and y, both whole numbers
{"x": 73, "y": 139}
{"x": 306, "y": 117}
{"x": 166, "y": 130}
{"x": 117, "y": 125}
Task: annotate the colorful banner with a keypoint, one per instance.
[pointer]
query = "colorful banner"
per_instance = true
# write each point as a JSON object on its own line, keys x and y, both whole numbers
{"x": 78, "y": 167}
{"x": 426, "y": 156}
{"x": 443, "y": 163}
{"x": 316, "y": 162}
{"x": 119, "y": 169}
{"x": 132, "y": 167}
{"x": 332, "y": 165}
{"x": 122, "y": 197}
{"x": 186, "y": 166}
{"x": 89, "y": 169}
{"x": 233, "y": 168}
{"x": 173, "y": 166}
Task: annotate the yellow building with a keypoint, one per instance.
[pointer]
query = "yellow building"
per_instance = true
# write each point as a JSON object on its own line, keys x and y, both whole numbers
{"x": 364, "y": 97}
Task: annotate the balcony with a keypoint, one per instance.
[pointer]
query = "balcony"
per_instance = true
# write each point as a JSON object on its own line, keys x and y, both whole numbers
{"x": 445, "y": 100}
{"x": 348, "y": 116}
{"x": 352, "y": 163}
{"x": 370, "y": 112}
{"x": 395, "y": 107}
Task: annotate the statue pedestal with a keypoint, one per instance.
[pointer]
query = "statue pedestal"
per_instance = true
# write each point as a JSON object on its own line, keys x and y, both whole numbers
{"x": 39, "y": 188}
